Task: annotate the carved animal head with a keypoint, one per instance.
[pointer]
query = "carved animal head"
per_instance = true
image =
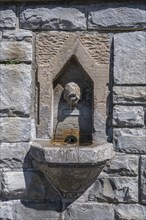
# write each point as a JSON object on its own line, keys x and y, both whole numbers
{"x": 72, "y": 93}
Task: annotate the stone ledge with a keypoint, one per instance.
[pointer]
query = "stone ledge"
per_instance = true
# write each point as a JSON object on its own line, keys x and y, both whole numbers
{"x": 44, "y": 152}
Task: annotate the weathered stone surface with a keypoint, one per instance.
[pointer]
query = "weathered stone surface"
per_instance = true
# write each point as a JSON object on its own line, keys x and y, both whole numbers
{"x": 89, "y": 211}
{"x": 130, "y": 140}
{"x": 70, "y": 169}
{"x": 53, "y": 18}
{"x": 19, "y": 185}
{"x": 117, "y": 16}
{"x": 14, "y": 129}
{"x": 130, "y": 211}
{"x": 15, "y": 210}
{"x": 128, "y": 116}
{"x": 143, "y": 180}
{"x": 7, "y": 210}
{"x": 15, "y": 52}
{"x": 15, "y": 89}
{"x": 13, "y": 185}
{"x": 129, "y": 95}
{"x": 0, "y": 35}
{"x": 12, "y": 156}
{"x": 43, "y": 151}
{"x": 130, "y": 58}
{"x": 0, "y": 184}
{"x": 48, "y": 44}
{"x": 115, "y": 190}
{"x": 7, "y": 17}
{"x": 71, "y": 46}
{"x": 122, "y": 165}
{"x": 18, "y": 35}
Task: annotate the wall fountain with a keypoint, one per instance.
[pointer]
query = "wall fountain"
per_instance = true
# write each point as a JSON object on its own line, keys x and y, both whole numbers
{"x": 71, "y": 146}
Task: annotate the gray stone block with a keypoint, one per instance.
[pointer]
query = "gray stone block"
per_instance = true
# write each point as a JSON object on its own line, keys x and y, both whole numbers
{"x": 117, "y": 16}
{"x": 128, "y": 116}
{"x": 143, "y": 180}
{"x": 15, "y": 90}
{"x": 130, "y": 140}
{"x": 53, "y": 18}
{"x": 15, "y": 52}
{"x": 0, "y": 35}
{"x": 14, "y": 129}
{"x": 22, "y": 185}
{"x": 115, "y": 190}
{"x": 8, "y": 17}
{"x": 12, "y": 156}
{"x": 89, "y": 211}
{"x": 7, "y": 210}
{"x": 129, "y": 94}
{"x": 130, "y": 212}
{"x": 122, "y": 165}
{"x": 17, "y": 35}
{"x": 15, "y": 210}
{"x": 130, "y": 58}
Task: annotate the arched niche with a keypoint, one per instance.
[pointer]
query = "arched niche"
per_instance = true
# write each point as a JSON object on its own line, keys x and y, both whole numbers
{"x": 73, "y": 123}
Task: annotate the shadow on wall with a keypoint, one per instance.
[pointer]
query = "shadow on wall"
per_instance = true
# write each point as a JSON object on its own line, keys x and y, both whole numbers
{"x": 39, "y": 193}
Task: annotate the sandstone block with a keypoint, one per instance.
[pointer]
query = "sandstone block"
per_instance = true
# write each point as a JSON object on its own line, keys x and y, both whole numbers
{"x": 12, "y": 156}
{"x": 122, "y": 165}
{"x": 130, "y": 140}
{"x": 8, "y": 17}
{"x": 15, "y": 52}
{"x": 130, "y": 58}
{"x": 130, "y": 211}
{"x": 19, "y": 185}
{"x": 117, "y": 16}
{"x": 128, "y": 116}
{"x": 143, "y": 180}
{"x": 89, "y": 211}
{"x": 131, "y": 95}
{"x": 15, "y": 89}
{"x": 115, "y": 190}
{"x": 14, "y": 129}
{"x": 53, "y": 18}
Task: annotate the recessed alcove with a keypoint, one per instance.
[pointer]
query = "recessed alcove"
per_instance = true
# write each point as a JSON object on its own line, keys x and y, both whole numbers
{"x": 73, "y": 123}
{"x": 71, "y": 146}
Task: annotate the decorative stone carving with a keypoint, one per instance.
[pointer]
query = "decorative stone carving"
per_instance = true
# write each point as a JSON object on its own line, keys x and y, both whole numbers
{"x": 72, "y": 94}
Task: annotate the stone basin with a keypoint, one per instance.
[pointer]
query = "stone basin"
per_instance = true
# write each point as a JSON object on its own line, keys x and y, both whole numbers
{"x": 71, "y": 169}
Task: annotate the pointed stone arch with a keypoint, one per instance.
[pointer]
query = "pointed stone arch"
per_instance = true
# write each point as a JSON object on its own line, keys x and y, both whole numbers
{"x": 99, "y": 74}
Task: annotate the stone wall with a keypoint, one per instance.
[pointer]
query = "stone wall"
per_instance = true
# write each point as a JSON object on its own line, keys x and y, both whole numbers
{"x": 120, "y": 190}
